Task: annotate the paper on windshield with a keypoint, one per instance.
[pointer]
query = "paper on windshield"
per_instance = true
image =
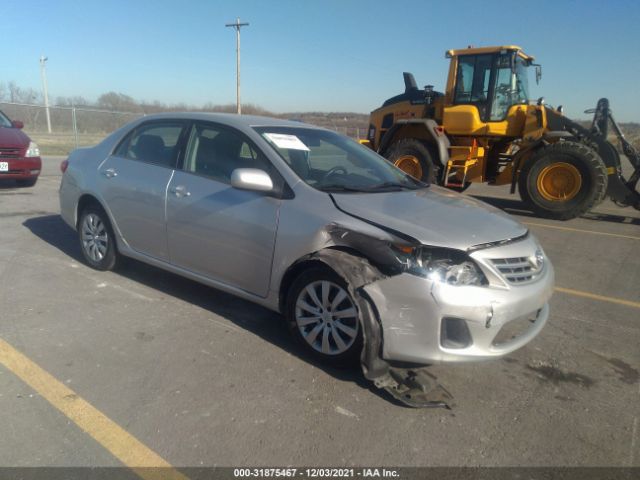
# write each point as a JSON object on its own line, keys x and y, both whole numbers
{"x": 290, "y": 142}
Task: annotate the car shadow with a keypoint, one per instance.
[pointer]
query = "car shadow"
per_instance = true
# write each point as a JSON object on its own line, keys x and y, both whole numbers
{"x": 7, "y": 185}
{"x": 256, "y": 319}
{"x": 517, "y": 207}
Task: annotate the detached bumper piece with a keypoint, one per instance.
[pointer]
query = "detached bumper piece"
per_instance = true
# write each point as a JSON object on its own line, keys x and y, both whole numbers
{"x": 416, "y": 388}
{"x": 413, "y": 387}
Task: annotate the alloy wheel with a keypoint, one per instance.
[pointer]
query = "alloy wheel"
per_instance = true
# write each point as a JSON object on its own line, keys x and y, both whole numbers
{"x": 326, "y": 317}
{"x": 95, "y": 240}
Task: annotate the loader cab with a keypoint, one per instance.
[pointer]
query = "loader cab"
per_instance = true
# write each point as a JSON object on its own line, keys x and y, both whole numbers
{"x": 484, "y": 84}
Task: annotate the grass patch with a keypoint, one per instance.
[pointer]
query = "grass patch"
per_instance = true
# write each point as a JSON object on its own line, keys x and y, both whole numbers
{"x": 64, "y": 143}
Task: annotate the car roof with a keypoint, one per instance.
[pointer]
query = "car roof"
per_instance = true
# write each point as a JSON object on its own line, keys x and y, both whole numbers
{"x": 232, "y": 119}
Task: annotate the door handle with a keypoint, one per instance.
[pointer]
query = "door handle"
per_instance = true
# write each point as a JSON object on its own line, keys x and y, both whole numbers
{"x": 110, "y": 173}
{"x": 180, "y": 191}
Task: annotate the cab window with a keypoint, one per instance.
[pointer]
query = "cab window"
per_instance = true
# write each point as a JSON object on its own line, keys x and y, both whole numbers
{"x": 510, "y": 88}
{"x": 473, "y": 81}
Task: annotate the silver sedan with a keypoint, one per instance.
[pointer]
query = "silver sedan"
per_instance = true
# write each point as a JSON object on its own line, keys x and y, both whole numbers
{"x": 364, "y": 262}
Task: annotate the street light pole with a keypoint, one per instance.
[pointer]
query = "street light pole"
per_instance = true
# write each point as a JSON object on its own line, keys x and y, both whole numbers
{"x": 237, "y": 26}
{"x": 45, "y": 92}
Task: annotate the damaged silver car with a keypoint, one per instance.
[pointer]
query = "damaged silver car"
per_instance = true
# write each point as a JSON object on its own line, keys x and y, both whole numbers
{"x": 363, "y": 261}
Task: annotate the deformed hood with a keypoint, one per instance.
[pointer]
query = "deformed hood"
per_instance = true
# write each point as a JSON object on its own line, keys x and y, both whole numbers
{"x": 433, "y": 216}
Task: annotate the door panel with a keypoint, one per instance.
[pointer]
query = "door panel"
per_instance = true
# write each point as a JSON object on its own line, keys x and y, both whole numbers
{"x": 221, "y": 232}
{"x": 133, "y": 182}
{"x": 135, "y": 194}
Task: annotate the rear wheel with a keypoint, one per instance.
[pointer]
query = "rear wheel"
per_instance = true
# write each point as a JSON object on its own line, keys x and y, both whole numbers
{"x": 97, "y": 240}
{"x": 563, "y": 180}
{"x": 414, "y": 158}
{"x": 323, "y": 317}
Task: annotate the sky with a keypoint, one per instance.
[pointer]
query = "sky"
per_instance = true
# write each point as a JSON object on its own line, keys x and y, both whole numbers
{"x": 316, "y": 55}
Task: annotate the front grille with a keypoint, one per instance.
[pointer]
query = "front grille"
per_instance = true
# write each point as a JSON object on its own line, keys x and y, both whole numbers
{"x": 517, "y": 269}
{"x": 11, "y": 152}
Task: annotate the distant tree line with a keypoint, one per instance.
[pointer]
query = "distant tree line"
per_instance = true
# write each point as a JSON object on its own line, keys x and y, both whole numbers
{"x": 353, "y": 124}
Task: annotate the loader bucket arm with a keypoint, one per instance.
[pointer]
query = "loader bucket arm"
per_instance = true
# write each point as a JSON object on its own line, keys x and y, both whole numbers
{"x": 602, "y": 118}
{"x": 622, "y": 191}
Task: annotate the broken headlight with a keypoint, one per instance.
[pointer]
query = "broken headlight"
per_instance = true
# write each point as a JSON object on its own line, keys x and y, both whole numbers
{"x": 452, "y": 267}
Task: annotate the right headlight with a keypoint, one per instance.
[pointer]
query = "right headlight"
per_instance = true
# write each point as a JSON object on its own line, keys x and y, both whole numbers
{"x": 452, "y": 267}
{"x": 32, "y": 150}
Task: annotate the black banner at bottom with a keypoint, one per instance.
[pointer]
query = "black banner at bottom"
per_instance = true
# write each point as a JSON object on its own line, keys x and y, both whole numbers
{"x": 306, "y": 473}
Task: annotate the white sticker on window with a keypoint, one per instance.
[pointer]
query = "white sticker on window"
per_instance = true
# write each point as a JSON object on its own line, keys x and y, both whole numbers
{"x": 290, "y": 142}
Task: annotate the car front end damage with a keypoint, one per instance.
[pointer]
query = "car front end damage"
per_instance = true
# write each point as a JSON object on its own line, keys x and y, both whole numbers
{"x": 448, "y": 307}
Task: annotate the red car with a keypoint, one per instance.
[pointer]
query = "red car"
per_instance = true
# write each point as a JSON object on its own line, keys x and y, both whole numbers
{"x": 19, "y": 156}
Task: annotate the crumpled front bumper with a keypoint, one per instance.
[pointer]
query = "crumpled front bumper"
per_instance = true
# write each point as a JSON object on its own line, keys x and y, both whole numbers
{"x": 413, "y": 310}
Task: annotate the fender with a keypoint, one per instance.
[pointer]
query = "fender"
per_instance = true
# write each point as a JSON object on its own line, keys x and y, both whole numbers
{"x": 440, "y": 140}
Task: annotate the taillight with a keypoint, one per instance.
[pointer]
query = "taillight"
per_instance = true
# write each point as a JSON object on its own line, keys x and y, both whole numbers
{"x": 64, "y": 165}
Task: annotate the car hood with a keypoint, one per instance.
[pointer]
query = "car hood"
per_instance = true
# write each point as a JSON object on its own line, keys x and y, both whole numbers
{"x": 13, "y": 137}
{"x": 433, "y": 216}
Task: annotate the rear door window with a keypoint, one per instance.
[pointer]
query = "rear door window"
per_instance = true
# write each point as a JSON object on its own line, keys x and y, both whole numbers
{"x": 156, "y": 143}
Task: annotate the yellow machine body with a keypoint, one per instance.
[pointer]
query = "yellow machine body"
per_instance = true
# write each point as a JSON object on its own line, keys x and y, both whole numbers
{"x": 485, "y": 128}
{"x": 473, "y": 139}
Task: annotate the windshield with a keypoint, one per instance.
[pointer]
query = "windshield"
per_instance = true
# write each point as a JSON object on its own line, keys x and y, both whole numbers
{"x": 4, "y": 121}
{"x": 511, "y": 85}
{"x": 333, "y": 163}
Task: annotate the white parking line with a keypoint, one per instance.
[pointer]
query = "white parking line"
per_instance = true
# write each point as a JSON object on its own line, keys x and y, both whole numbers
{"x": 634, "y": 438}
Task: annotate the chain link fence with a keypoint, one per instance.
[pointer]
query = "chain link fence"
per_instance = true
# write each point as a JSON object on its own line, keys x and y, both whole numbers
{"x": 71, "y": 127}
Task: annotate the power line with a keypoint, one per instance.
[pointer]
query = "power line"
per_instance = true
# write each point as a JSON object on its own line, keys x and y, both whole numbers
{"x": 45, "y": 90}
{"x": 237, "y": 26}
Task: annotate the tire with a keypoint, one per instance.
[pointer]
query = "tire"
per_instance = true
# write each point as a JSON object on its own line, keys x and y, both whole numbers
{"x": 563, "y": 180}
{"x": 414, "y": 158}
{"x": 97, "y": 241}
{"x": 27, "y": 183}
{"x": 343, "y": 334}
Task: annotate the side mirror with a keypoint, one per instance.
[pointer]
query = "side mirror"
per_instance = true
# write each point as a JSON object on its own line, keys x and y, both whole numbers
{"x": 538, "y": 73}
{"x": 251, "y": 179}
{"x": 17, "y": 124}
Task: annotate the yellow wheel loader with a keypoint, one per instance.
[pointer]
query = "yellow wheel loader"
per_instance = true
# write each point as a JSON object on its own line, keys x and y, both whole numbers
{"x": 484, "y": 128}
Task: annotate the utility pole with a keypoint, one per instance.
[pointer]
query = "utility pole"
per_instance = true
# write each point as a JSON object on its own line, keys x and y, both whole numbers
{"x": 43, "y": 72}
{"x": 237, "y": 26}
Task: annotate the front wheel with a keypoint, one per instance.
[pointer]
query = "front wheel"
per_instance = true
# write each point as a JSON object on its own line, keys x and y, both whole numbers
{"x": 97, "y": 240}
{"x": 323, "y": 317}
{"x": 563, "y": 180}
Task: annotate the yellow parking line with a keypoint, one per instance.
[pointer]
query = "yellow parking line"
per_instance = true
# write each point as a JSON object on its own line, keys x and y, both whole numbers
{"x": 122, "y": 445}
{"x": 602, "y": 298}
{"x": 569, "y": 229}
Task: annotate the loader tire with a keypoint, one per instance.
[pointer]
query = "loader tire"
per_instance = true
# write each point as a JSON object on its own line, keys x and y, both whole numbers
{"x": 563, "y": 180}
{"x": 414, "y": 158}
